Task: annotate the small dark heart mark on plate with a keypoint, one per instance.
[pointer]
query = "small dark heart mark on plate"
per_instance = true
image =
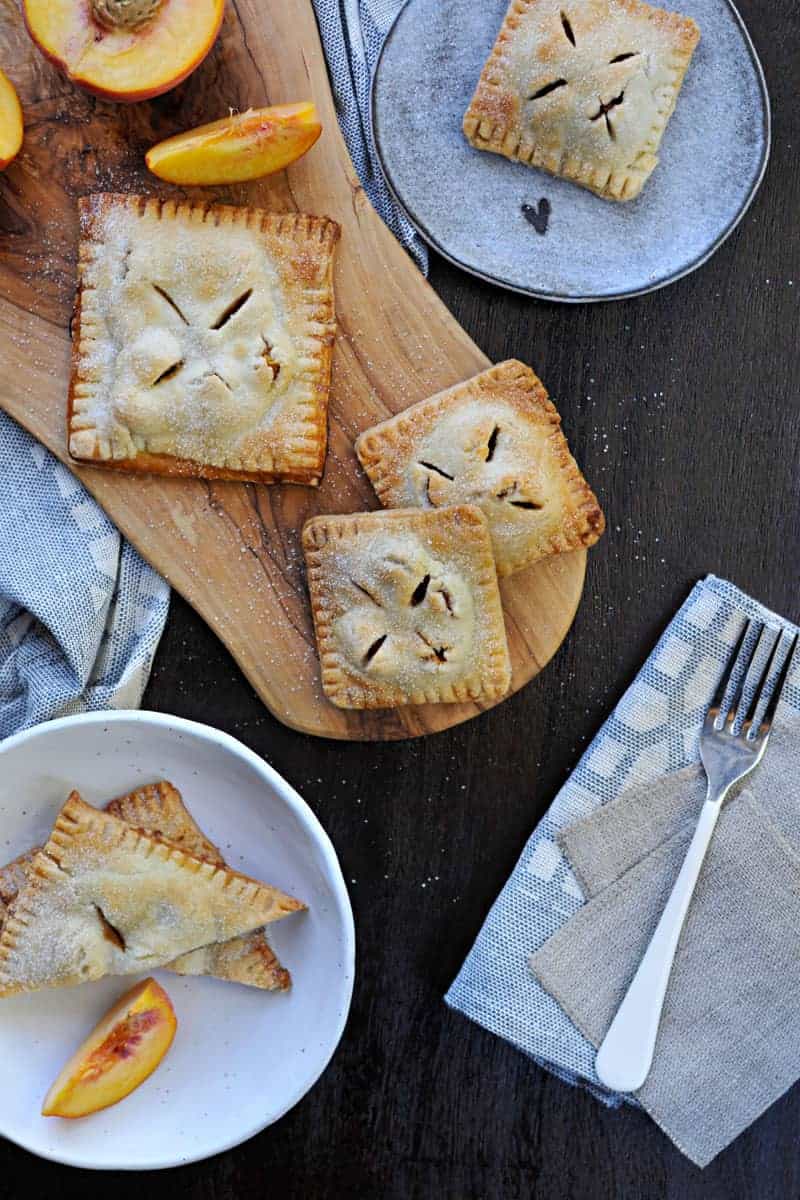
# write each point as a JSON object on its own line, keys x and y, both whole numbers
{"x": 538, "y": 215}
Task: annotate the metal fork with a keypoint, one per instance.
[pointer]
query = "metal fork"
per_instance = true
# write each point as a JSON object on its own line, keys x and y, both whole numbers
{"x": 626, "y": 1053}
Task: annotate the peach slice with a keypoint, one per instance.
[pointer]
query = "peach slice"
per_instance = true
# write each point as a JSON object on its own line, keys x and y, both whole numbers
{"x": 239, "y": 147}
{"x": 10, "y": 121}
{"x": 118, "y": 1054}
{"x": 125, "y": 49}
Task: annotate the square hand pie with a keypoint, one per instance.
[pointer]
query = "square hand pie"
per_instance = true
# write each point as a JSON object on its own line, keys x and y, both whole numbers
{"x": 406, "y": 607}
{"x": 583, "y": 89}
{"x": 202, "y": 340}
{"x": 494, "y": 441}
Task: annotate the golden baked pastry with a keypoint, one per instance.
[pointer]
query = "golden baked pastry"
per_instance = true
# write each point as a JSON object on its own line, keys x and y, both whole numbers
{"x": 406, "y": 607}
{"x": 202, "y": 340}
{"x": 583, "y": 89}
{"x": 158, "y": 810}
{"x": 103, "y": 898}
{"x": 14, "y": 877}
{"x": 494, "y": 441}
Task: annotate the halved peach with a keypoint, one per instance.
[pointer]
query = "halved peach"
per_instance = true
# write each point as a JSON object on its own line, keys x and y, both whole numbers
{"x": 118, "y": 1055}
{"x": 239, "y": 147}
{"x": 125, "y": 49}
{"x": 10, "y": 121}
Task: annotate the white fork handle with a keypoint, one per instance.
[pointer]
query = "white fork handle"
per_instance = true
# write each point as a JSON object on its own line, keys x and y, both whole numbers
{"x": 626, "y": 1052}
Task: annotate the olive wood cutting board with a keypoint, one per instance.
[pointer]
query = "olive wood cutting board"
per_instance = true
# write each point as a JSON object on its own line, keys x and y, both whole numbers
{"x": 233, "y": 550}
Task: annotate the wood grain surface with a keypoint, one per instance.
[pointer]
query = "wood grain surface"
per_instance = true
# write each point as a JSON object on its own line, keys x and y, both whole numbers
{"x": 683, "y": 407}
{"x": 233, "y": 550}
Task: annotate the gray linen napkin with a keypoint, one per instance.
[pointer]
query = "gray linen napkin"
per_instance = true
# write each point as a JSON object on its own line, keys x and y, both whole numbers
{"x": 729, "y": 1042}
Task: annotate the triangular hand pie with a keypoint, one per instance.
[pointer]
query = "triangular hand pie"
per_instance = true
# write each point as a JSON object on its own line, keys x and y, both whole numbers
{"x": 158, "y": 810}
{"x": 248, "y": 959}
{"x": 103, "y": 898}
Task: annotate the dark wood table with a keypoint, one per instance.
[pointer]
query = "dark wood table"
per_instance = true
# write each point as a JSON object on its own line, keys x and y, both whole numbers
{"x": 682, "y": 407}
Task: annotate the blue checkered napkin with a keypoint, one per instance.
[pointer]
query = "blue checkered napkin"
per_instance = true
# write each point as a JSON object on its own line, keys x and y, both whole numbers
{"x": 352, "y": 34}
{"x": 653, "y": 730}
{"x": 80, "y": 613}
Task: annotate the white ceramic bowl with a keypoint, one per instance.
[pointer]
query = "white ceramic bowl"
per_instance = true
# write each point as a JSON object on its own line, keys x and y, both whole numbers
{"x": 241, "y": 1058}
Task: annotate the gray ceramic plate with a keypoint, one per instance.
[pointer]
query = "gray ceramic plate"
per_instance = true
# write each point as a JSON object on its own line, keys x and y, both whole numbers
{"x": 469, "y": 204}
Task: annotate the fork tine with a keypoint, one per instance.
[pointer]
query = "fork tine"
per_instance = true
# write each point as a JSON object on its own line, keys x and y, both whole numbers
{"x": 730, "y": 667}
{"x": 774, "y": 700}
{"x": 736, "y": 700}
{"x": 761, "y": 689}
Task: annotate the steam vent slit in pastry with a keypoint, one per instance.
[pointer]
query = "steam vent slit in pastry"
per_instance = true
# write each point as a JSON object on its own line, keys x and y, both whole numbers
{"x": 583, "y": 89}
{"x": 103, "y": 898}
{"x": 202, "y": 340}
{"x": 406, "y": 607}
{"x": 494, "y": 441}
